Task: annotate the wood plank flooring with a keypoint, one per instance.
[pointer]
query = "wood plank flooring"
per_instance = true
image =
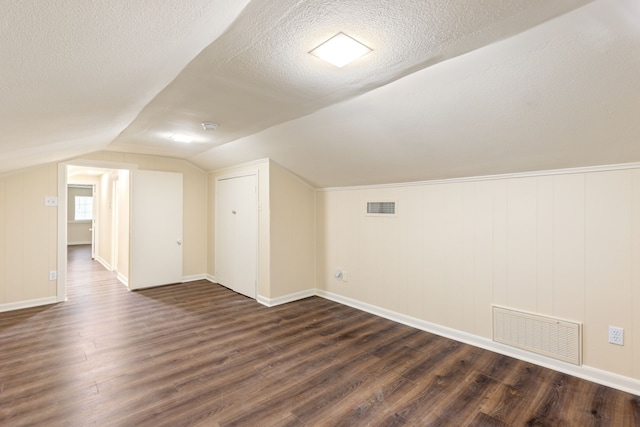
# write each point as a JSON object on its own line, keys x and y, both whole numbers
{"x": 198, "y": 354}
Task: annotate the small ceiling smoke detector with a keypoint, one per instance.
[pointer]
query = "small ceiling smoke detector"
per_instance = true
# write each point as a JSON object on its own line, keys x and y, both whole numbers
{"x": 340, "y": 50}
{"x": 178, "y": 137}
{"x": 209, "y": 126}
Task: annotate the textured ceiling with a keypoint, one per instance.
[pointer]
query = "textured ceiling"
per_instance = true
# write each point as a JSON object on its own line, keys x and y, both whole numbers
{"x": 452, "y": 88}
{"x": 259, "y": 73}
{"x": 563, "y": 94}
{"x": 75, "y": 73}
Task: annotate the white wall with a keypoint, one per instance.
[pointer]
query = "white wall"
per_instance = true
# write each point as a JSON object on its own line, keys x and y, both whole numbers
{"x": 565, "y": 245}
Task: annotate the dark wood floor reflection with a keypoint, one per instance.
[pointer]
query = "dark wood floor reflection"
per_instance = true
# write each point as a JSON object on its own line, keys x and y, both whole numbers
{"x": 200, "y": 355}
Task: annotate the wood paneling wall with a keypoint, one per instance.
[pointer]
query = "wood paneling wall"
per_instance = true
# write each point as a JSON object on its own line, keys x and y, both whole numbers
{"x": 565, "y": 245}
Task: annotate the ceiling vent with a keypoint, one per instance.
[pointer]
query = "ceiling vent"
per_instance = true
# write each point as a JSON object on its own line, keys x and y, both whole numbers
{"x": 381, "y": 208}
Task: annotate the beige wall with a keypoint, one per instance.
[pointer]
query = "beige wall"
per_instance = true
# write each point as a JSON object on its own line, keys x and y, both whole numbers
{"x": 562, "y": 245}
{"x": 28, "y": 235}
{"x": 292, "y": 229}
{"x": 79, "y": 233}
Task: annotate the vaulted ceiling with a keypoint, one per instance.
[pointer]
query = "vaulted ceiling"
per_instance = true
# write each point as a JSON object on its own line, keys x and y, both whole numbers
{"x": 452, "y": 88}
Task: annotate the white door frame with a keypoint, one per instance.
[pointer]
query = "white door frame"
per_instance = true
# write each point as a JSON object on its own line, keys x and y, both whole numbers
{"x": 93, "y": 222}
{"x": 61, "y": 288}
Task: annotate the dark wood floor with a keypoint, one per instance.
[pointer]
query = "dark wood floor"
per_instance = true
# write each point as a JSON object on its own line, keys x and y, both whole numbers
{"x": 201, "y": 355}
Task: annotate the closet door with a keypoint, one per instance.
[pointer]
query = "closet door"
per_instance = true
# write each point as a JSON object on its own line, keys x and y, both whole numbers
{"x": 237, "y": 234}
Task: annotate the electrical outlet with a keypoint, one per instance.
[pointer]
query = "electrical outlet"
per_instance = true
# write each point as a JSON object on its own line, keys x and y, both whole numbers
{"x": 616, "y": 335}
{"x": 53, "y": 275}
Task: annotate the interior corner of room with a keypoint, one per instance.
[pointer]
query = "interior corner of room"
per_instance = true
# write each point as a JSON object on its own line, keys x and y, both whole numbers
{"x": 496, "y": 168}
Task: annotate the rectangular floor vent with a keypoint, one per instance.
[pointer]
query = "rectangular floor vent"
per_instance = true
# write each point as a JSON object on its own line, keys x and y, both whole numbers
{"x": 560, "y": 339}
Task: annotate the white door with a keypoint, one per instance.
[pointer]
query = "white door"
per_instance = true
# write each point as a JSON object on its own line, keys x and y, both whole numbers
{"x": 237, "y": 234}
{"x": 156, "y": 229}
{"x": 225, "y": 233}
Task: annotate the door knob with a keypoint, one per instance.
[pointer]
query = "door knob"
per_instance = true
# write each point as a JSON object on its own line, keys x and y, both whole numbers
{"x": 233, "y": 212}
{"x": 179, "y": 242}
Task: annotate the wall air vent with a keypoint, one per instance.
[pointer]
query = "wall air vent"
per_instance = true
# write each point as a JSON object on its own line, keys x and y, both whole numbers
{"x": 549, "y": 336}
{"x": 381, "y": 208}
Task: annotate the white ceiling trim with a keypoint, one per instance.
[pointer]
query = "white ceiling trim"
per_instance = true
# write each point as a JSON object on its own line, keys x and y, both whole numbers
{"x": 554, "y": 172}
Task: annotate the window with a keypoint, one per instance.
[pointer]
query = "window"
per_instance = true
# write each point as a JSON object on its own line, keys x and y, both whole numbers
{"x": 84, "y": 208}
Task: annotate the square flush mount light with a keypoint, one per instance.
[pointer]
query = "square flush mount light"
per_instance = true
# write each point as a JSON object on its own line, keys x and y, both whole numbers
{"x": 340, "y": 50}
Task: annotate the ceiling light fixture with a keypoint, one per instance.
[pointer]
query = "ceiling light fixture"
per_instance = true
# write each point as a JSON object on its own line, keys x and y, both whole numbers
{"x": 340, "y": 50}
{"x": 178, "y": 137}
{"x": 209, "y": 125}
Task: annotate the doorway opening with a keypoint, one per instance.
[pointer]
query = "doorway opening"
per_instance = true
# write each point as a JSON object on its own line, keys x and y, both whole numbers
{"x": 80, "y": 214}
{"x": 93, "y": 224}
{"x": 138, "y": 222}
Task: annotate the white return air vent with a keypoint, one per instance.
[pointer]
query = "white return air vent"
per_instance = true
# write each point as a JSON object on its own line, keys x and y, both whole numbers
{"x": 381, "y": 208}
{"x": 560, "y": 339}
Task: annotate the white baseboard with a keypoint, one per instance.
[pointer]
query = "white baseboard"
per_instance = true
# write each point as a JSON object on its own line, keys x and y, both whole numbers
{"x": 28, "y": 304}
{"x": 123, "y": 279}
{"x": 271, "y": 302}
{"x": 193, "y": 278}
{"x": 210, "y": 278}
{"x": 79, "y": 243}
{"x": 609, "y": 379}
{"x": 104, "y": 263}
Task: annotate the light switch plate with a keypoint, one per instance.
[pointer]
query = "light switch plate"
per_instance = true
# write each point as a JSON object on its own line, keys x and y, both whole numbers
{"x": 51, "y": 201}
